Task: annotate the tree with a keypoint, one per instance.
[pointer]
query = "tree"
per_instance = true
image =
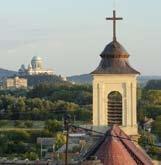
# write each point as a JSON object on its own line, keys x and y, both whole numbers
{"x": 151, "y": 96}
{"x": 18, "y": 147}
{"x": 155, "y": 152}
{"x": 31, "y": 155}
{"x": 20, "y": 105}
{"x": 18, "y": 135}
{"x": 83, "y": 115}
{"x": 60, "y": 140}
{"x": 3, "y": 143}
{"x": 156, "y": 127}
{"x": 53, "y": 126}
{"x": 18, "y": 123}
{"x": 28, "y": 124}
{"x": 3, "y": 123}
{"x": 147, "y": 139}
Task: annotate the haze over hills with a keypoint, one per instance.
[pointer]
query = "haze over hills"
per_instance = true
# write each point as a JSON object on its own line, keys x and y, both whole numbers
{"x": 78, "y": 79}
{"x": 32, "y": 80}
{"x": 6, "y": 73}
{"x": 87, "y": 79}
{"x": 81, "y": 79}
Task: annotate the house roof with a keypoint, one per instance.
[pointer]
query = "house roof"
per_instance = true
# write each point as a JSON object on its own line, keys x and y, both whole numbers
{"x": 116, "y": 148}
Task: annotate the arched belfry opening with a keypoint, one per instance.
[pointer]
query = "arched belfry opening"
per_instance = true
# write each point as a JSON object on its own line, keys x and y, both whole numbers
{"x": 114, "y": 108}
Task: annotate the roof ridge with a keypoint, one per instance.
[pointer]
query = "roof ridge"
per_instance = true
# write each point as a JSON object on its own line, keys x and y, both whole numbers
{"x": 116, "y": 144}
{"x": 135, "y": 152}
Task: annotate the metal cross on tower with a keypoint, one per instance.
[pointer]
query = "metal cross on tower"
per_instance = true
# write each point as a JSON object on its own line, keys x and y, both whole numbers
{"x": 114, "y": 19}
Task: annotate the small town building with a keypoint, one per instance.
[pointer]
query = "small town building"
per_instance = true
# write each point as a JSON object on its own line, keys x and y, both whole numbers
{"x": 15, "y": 82}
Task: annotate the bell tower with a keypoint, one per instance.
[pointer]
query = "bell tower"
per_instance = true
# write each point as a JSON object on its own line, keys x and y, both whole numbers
{"x": 114, "y": 88}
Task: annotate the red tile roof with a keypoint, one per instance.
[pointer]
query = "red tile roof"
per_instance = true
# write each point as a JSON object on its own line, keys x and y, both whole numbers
{"x": 112, "y": 152}
{"x": 116, "y": 148}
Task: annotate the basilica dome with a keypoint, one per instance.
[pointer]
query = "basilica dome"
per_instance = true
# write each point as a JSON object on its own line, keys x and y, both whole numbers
{"x": 35, "y": 67}
{"x": 37, "y": 62}
{"x": 36, "y": 58}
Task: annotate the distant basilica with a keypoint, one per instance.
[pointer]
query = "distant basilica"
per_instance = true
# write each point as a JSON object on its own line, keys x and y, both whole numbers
{"x": 35, "y": 68}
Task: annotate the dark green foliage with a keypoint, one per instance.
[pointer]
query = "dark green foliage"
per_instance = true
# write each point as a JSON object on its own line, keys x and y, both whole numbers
{"x": 14, "y": 92}
{"x": 14, "y": 142}
{"x": 155, "y": 152}
{"x": 31, "y": 155}
{"x": 149, "y": 105}
{"x": 146, "y": 138}
{"x": 18, "y": 142}
{"x": 34, "y": 80}
{"x": 150, "y": 111}
{"x": 28, "y": 124}
{"x": 18, "y": 123}
{"x": 3, "y": 144}
{"x": 79, "y": 94}
{"x": 53, "y": 126}
{"x": 148, "y": 141}
{"x": 48, "y": 101}
{"x": 82, "y": 115}
{"x": 17, "y": 147}
{"x": 156, "y": 127}
{"x": 151, "y": 97}
{"x": 17, "y": 135}
{"x": 3, "y": 123}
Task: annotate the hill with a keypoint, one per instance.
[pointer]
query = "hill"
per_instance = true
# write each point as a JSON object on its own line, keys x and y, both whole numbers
{"x": 81, "y": 79}
{"x": 32, "y": 80}
{"x": 87, "y": 79}
{"x": 6, "y": 73}
{"x": 40, "y": 79}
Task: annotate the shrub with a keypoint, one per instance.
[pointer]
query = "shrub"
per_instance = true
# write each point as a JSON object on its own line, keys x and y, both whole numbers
{"x": 3, "y": 123}
{"x": 53, "y": 126}
{"x": 28, "y": 124}
{"x": 18, "y": 135}
{"x": 17, "y": 123}
{"x": 31, "y": 155}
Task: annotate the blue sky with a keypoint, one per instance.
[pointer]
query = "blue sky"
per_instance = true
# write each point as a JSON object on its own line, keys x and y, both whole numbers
{"x": 70, "y": 34}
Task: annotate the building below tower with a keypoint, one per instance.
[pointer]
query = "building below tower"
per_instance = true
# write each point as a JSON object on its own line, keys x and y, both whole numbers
{"x": 35, "y": 68}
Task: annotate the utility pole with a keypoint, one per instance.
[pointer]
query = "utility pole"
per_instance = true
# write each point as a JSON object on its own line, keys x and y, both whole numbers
{"x": 41, "y": 147}
{"x": 66, "y": 126}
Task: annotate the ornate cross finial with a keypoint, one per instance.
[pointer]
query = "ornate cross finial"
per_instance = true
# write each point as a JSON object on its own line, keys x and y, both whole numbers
{"x": 114, "y": 19}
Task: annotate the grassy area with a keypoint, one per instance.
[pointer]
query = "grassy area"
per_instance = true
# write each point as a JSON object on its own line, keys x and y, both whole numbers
{"x": 19, "y": 129}
{"x": 10, "y": 125}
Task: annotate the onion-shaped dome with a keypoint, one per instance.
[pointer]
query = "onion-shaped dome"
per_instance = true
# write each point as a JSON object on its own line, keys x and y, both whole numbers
{"x": 114, "y": 60}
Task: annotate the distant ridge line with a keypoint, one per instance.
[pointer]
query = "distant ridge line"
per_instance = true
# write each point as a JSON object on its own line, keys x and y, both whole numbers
{"x": 87, "y": 79}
